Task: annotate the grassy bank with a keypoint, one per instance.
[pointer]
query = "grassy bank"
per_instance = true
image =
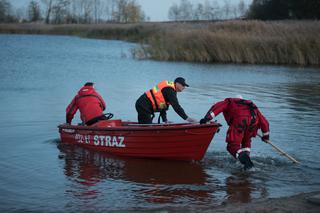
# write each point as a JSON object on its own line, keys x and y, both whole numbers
{"x": 126, "y": 32}
{"x": 253, "y": 42}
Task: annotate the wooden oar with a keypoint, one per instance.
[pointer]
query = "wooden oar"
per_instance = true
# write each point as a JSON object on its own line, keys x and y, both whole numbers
{"x": 280, "y": 151}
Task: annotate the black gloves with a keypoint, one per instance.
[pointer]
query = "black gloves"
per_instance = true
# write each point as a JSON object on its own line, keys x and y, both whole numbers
{"x": 244, "y": 158}
{"x": 203, "y": 121}
{"x": 265, "y": 138}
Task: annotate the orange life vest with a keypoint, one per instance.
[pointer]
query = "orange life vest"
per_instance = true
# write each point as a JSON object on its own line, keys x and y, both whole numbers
{"x": 156, "y": 97}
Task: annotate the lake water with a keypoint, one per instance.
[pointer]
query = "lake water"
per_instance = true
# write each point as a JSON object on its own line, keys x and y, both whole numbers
{"x": 41, "y": 74}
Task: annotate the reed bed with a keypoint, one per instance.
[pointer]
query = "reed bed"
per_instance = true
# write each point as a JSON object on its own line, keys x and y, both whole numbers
{"x": 127, "y": 32}
{"x": 253, "y": 42}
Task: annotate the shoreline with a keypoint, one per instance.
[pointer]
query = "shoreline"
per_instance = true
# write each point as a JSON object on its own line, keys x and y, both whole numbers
{"x": 299, "y": 203}
{"x": 288, "y": 43}
{"x": 296, "y": 204}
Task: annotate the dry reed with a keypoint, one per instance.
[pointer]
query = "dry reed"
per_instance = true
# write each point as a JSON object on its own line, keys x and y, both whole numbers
{"x": 254, "y": 42}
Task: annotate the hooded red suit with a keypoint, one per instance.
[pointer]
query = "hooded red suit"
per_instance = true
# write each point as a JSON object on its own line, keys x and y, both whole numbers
{"x": 244, "y": 120}
{"x": 89, "y": 102}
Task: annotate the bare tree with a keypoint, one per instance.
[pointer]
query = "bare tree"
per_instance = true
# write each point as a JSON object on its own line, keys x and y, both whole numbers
{"x": 98, "y": 10}
{"x": 173, "y": 13}
{"x": 87, "y": 11}
{"x": 60, "y": 11}
{"x": 119, "y": 13}
{"x": 183, "y": 11}
{"x": 109, "y": 9}
{"x": 74, "y": 11}
{"x": 207, "y": 11}
{"x": 235, "y": 11}
{"x": 48, "y": 9}
{"x": 127, "y": 11}
{"x": 216, "y": 11}
{"x": 134, "y": 12}
{"x": 186, "y": 10}
{"x": 242, "y": 8}
{"x": 5, "y": 11}
{"x": 21, "y": 14}
{"x": 227, "y": 9}
{"x": 34, "y": 11}
{"x": 111, "y": 6}
{"x": 198, "y": 13}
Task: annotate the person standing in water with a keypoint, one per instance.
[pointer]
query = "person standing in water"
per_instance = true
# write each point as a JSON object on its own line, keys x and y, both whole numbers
{"x": 244, "y": 119}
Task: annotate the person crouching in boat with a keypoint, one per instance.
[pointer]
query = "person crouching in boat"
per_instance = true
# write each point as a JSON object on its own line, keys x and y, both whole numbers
{"x": 159, "y": 98}
{"x": 90, "y": 103}
{"x": 244, "y": 120}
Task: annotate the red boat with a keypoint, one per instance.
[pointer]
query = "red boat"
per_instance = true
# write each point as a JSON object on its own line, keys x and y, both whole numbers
{"x": 183, "y": 141}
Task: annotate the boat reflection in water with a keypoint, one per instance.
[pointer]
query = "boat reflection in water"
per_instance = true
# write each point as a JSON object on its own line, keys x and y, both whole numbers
{"x": 155, "y": 181}
{"x": 142, "y": 182}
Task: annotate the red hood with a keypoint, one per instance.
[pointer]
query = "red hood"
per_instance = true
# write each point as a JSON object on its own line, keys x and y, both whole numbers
{"x": 86, "y": 90}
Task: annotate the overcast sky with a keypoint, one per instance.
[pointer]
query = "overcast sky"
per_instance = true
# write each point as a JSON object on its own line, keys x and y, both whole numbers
{"x": 157, "y": 10}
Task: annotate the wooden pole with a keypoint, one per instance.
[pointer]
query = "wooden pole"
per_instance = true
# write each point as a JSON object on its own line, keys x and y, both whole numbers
{"x": 280, "y": 151}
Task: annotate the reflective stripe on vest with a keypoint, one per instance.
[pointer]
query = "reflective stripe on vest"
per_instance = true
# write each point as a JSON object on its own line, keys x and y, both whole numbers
{"x": 156, "y": 97}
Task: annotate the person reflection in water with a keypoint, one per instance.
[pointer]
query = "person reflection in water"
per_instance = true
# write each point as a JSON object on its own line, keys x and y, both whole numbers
{"x": 81, "y": 170}
{"x": 244, "y": 119}
{"x": 238, "y": 189}
{"x": 241, "y": 190}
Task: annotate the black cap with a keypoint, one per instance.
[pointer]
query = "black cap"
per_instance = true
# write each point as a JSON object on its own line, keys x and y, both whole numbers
{"x": 181, "y": 81}
{"x": 90, "y": 84}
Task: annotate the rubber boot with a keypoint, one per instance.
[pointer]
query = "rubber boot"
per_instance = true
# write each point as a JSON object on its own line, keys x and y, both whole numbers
{"x": 244, "y": 158}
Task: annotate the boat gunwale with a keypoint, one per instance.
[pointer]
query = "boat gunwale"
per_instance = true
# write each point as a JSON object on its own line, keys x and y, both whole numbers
{"x": 156, "y": 127}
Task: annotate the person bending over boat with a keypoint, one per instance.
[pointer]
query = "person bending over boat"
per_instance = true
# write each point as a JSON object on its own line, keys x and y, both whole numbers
{"x": 244, "y": 120}
{"x": 159, "y": 98}
{"x": 90, "y": 104}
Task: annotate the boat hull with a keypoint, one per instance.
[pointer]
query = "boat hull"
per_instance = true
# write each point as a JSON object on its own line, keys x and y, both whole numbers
{"x": 169, "y": 141}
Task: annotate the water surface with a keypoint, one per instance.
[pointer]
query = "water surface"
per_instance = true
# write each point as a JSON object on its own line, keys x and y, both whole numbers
{"x": 41, "y": 74}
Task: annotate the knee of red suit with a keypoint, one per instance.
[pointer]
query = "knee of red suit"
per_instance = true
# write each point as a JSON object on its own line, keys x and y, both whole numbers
{"x": 236, "y": 151}
{"x": 233, "y": 148}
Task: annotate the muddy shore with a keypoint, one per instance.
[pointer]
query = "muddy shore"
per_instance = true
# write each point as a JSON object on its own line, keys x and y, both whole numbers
{"x": 305, "y": 202}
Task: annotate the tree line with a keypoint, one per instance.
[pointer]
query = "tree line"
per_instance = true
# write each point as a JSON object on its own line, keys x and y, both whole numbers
{"x": 284, "y": 9}
{"x": 74, "y": 11}
{"x": 129, "y": 11}
{"x": 208, "y": 10}
{"x": 258, "y": 9}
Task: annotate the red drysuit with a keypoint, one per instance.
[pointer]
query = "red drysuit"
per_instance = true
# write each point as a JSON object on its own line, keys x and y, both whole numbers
{"x": 89, "y": 102}
{"x": 244, "y": 120}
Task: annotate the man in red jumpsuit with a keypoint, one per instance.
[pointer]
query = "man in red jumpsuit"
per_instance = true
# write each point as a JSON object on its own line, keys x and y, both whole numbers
{"x": 244, "y": 120}
{"x": 90, "y": 104}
